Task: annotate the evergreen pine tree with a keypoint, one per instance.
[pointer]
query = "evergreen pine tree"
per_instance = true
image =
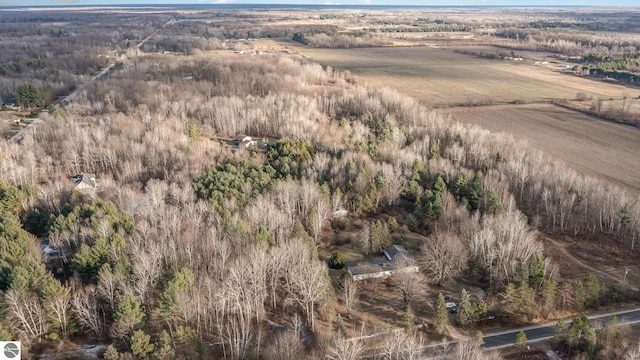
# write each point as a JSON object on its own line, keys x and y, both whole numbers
{"x": 476, "y": 191}
{"x": 111, "y": 353}
{"x": 193, "y": 132}
{"x": 521, "y": 340}
{"x": 465, "y": 310}
{"x": 165, "y": 349}
{"x": 128, "y": 317}
{"x": 140, "y": 345}
{"x": 536, "y": 269}
{"x": 579, "y": 297}
{"x": 441, "y": 316}
{"x": 549, "y": 296}
{"x": 460, "y": 186}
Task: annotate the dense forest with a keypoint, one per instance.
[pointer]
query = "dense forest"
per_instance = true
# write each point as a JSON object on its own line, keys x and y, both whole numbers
{"x": 189, "y": 248}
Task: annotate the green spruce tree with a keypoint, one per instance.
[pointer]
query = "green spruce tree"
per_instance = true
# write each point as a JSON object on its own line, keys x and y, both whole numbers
{"x": 465, "y": 310}
{"x": 521, "y": 341}
{"x": 141, "y": 345}
{"x": 441, "y": 315}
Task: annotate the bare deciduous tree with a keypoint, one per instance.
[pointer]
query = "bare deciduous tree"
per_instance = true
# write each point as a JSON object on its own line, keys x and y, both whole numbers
{"x": 147, "y": 270}
{"x": 238, "y": 334}
{"x": 110, "y": 287}
{"x": 503, "y": 241}
{"x": 343, "y": 349}
{"x": 26, "y": 314}
{"x": 318, "y": 217}
{"x": 58, "y": 307}
{"x": 399, "y": 345}
{"x": 392, "y": 183}
{"x": 407, "y": 281}
{"x": 443, "y": 256}
{"x": 364, "y": 239}
{"x": 470, "y": 350}
{"x": 86, "y": 310}
{"x": 350, "y": 292}
{"x": 308, "y": 286}
{"x": 285, "y": 346}
{"x": 633, "y": 353}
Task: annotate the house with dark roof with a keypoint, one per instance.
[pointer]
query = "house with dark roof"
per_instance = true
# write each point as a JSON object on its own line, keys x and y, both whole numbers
{"x": 369, "y": 271}
{"x": 397, "y": 252}
{"x": 396, "y": 258}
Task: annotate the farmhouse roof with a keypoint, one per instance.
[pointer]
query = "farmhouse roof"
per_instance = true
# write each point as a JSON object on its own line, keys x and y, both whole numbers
{"x": 395, "y": 252}
{"x": 85, "y": 181}
{"x": 362, "y": 269}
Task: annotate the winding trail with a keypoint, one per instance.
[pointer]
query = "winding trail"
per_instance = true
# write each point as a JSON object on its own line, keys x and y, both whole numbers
{"x": 560, "y": 246}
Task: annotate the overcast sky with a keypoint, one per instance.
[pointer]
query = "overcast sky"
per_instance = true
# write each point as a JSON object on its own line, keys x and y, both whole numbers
{"x": 635, "y": 3}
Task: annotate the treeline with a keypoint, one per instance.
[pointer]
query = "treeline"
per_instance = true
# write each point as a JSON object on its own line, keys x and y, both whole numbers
{"x": 428, "y": 28}
{"x": 339, "y": 40}
{"x": 183, "y": 44}
{"x": 615, "y": 74}
{"x": 624, "y": 67}
{"x": 250, "y": 31}
{"x": 252, "y": 25}
{"x": 570, "y": 42}
{"x": 186, "y": 36}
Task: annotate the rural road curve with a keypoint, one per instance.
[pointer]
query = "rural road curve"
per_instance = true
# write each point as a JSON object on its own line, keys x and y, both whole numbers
{"x": 544, "y": 332}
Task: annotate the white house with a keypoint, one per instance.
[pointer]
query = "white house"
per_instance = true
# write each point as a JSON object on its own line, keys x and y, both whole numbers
{"x": 85, "y": 181}
{"x": 244, "y": 141}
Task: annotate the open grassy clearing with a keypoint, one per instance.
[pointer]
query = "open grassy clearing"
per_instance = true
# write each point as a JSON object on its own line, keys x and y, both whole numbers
{"x": 443, "y": 77}
{"x": 587, "y": 144}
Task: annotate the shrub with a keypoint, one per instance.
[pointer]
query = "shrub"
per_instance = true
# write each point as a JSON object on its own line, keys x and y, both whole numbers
{"x": 336, "y": 261}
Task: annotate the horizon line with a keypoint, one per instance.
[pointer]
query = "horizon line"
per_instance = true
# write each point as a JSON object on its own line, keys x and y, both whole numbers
{"x": 199, "y": 4}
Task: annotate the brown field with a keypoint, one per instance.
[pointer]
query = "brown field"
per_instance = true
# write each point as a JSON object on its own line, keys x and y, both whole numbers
{"x": 443, "y": 77}
{"x": 587, "y": 144}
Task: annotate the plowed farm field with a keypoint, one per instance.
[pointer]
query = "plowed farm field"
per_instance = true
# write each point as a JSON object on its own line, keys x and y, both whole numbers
{"x": 587, "y": 144}
{"x": 443, "y": 77}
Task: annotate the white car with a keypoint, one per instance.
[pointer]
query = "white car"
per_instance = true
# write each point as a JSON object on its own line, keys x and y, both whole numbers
{"x": 450, "y": 305}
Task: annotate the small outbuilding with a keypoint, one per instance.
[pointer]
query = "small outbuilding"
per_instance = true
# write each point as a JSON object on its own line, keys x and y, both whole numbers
{"x": 85, "y": 181}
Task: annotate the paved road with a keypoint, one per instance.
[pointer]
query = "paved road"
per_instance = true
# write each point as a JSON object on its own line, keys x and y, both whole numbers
{"x": 18, "y": 136}
{"x": 544, "y": 332}
{"x": 494, "y": 341}
{"x": 123, "y": 58}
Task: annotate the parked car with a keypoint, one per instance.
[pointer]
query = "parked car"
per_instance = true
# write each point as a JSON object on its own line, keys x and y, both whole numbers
{"x": 451, "y": 307}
